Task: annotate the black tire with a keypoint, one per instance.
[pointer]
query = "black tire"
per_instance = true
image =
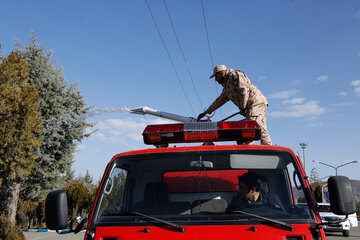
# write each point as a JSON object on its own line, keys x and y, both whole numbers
{"x": 346, "y": 233}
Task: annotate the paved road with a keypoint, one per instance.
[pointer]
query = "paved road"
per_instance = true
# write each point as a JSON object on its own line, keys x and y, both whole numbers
{"x": 53, "y": 236}
{"x": 354, "y": 235}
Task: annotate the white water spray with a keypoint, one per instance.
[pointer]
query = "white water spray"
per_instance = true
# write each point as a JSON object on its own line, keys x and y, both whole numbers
{"x": 100, "y": 111}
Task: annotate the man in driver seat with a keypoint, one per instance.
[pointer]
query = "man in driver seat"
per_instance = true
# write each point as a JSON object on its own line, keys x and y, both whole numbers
{"x": 250, "y": 193}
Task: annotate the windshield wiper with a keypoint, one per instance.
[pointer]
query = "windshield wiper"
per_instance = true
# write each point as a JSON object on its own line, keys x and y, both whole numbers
{"x": 283, "y": 224}
{"x": 158, "y": 220}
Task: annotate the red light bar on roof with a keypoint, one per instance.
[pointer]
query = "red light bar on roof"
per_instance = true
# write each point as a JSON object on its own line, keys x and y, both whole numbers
{"x": 240, "y": 131}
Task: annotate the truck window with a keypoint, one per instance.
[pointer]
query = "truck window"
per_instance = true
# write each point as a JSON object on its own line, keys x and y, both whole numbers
{"x": 298, "y": 194}
{"x": 113, "y": 194}
{"x": 201, "y": 186}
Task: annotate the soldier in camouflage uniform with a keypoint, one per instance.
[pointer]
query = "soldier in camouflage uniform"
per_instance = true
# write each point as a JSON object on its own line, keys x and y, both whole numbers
{"x": 238, "y": 88}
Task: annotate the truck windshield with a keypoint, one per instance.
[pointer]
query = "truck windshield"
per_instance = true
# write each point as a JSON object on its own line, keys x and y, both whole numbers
{"x": 203, "y": 186}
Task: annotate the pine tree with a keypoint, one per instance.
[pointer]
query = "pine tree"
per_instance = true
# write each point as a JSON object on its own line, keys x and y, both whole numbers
{"x": 19, "y": 128}
{"x": 314, "y": 176}
{"x": 87, "y": 181}
{"x": 63, "y": 113}
{"x": 78, "y": 198}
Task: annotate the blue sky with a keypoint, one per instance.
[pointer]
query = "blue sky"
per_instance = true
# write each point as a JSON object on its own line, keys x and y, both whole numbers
{"x": 303, "y": 55}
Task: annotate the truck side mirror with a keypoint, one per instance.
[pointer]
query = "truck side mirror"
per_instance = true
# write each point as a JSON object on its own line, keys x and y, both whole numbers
{"x": 342, "y": 199}
{"x": 56, "y": 210}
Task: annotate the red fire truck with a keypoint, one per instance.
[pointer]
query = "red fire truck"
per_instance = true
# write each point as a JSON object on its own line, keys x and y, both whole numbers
{"x": 193, "y": 192}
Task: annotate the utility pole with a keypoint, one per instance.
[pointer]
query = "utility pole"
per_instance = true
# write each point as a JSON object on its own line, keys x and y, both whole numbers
{"x": 303, "y": 146}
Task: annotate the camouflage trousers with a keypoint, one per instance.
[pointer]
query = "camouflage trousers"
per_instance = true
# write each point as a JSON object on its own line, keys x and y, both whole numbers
{"x": 258, "y": 113}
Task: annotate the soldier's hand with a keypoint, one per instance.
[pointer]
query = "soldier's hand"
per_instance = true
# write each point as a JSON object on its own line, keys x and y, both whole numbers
{"x": 243, "y": 112}
{"x": 201, "y": 115}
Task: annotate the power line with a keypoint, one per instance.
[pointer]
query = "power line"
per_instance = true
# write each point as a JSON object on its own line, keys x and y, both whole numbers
{"x": 207, "y": 34}
{"x": 182, "y": 52}
{"x": 208, "y": 41}
{"x": 167, "y": 52}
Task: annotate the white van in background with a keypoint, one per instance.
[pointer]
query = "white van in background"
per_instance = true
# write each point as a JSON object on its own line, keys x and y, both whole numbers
{"x": 327, "y": 215}
{"x": 353, "y": 220}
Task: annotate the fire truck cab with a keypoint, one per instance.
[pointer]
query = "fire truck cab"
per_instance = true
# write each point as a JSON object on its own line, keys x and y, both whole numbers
{"x": 197, "y": 192}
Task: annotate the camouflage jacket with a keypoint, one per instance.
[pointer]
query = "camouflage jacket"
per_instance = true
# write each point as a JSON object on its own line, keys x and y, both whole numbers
{"x": 238, "y": 88}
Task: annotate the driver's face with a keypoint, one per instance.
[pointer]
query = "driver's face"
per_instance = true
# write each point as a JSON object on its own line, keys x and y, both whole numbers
{"x": 246, "y": 193}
